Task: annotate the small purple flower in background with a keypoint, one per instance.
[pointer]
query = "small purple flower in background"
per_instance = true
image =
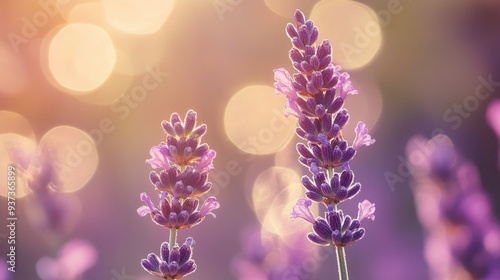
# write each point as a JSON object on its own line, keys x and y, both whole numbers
{"x": 74, "y": 258}
{"x": 316, "y": 95}
{"x": 181, "y": 166}
{"x": 462, "y": 234}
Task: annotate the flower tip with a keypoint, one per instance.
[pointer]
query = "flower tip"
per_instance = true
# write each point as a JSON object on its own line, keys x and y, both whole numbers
{"x": 299, "y": 16}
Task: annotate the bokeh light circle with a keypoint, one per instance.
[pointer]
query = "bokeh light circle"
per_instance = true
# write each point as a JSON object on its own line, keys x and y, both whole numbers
{"x": 136, "y": 16}
{"x": 254, "y": 121}
{"x": 76, "y": 158}
{"x": 352, "y": 28}
{"x": 275, "y": 192}
{"x": 287, "y": 8}
{"x": 12, "y": 144}
{"x": 81, "y": 57}
{"x": 11, "y": 122}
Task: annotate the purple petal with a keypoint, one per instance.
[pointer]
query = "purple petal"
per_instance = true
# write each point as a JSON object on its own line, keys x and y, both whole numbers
{"x": 301, "y": 210}
{"x": 209, "y": 205}
{"x": 345, "y": 85}
{"x": 158, "y": 158}
{"x": 283, "y": 83}
{"x": 362, "y": 136}
{"x": 205, "y": 163}
{"x": 145, "y": 209}
{"x": 366, "y": 210}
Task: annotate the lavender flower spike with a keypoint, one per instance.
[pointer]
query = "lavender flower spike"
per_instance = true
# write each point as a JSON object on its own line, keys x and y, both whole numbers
{"x": 315, "y": 94}
{"x": 181, "y": 164}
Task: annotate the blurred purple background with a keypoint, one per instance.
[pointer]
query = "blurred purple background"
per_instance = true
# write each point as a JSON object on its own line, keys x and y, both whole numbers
{"x": 116, "y": 69}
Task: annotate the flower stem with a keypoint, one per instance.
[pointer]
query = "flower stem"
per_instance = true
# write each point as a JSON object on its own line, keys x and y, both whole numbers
{"x": 341, "y": 260}
{"x": 173, "y": 237}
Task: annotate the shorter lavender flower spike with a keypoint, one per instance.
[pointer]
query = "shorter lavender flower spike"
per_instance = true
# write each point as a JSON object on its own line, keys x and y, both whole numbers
{"x": 301, "y": 210}
{"x": 366, "y": 210}
{"x": 336, "y": 229}
{"x": 362, "y": 136}
{"x": 173, "y": 263}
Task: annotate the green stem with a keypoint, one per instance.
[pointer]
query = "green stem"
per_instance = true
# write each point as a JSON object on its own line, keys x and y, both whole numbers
{"x": 173, "y": 237}
{"x": 342, "y": 265}
{"x": 341, "y": 259}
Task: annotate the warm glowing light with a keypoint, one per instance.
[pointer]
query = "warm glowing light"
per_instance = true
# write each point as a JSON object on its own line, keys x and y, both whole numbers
{"x": 76, "y": 157}
{"x": 11, "y": 145}
{"x": 90, "y": 12}
{"x": 81, "y": 57}
{"x": 254, "y": 121}
{"x": 12, "y": 71}
{"x": 287, "y": 8}
{"x": 11, "y": 122}
{"x": 288, "y": 157}
{"x": 275, "y": 192}
{"x": 136, "y": 16}
{"x": 352, "y": 28}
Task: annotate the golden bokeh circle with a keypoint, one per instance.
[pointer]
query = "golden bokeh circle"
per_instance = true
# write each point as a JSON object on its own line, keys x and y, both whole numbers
{"x": 137, "y": 16}
{"x": 353, "y": 30}
{"x": 76, "y": 158}
{"x": 254, "y": 121}
{"x": 81, "y": 57}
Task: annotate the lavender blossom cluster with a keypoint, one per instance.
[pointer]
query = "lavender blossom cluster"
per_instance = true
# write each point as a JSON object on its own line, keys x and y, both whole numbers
{"x": 462, "y": 236}
{"x": 316, "y": 95}
{"x": 181, "y": 164}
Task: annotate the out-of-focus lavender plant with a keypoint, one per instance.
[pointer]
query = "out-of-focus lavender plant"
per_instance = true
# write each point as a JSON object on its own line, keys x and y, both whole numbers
{"x": 462, "y": 236}
{"x": 493, "y": 116}
{"x": 74, "y": 258}
{"x": 267, "y": 257}
{"x": 182, "y": 164}
{"x": 53, "y": 214}
{"x": 316, "y": 96}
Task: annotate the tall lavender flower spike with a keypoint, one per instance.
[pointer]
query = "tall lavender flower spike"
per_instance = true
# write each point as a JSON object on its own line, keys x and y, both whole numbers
{"x": 454, "y": 211}
{"x": 315, "y": 95}
{"x": 181, "y": 164}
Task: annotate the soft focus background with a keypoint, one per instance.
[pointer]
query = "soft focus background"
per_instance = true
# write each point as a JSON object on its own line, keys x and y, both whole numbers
{"x": 114, "y": 69}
